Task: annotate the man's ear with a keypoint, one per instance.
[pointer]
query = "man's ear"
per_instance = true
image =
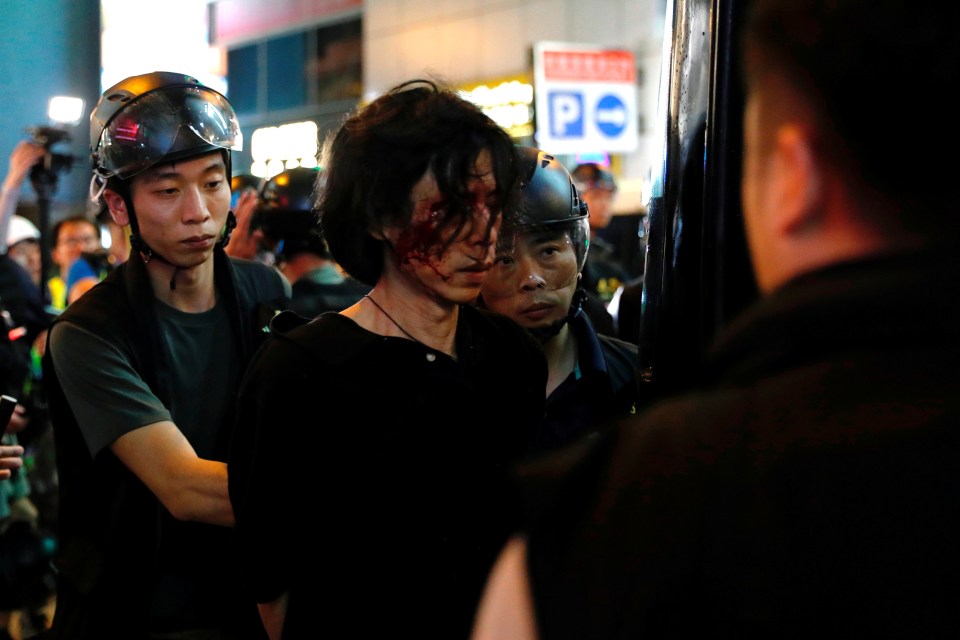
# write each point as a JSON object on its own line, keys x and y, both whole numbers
{"x": 117, "y": 207}
{"x": 796, "y": 181}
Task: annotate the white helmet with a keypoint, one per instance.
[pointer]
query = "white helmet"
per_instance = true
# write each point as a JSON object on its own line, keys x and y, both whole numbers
{"x": 21, "y": 229}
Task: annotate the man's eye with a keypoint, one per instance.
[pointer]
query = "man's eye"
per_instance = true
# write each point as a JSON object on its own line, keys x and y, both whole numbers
{"x": 549, "y": 250}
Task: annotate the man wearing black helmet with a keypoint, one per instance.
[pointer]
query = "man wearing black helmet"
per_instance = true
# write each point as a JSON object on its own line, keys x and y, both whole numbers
{"x": 603, "y": 274}
{"x": 535, "y": 281}
{"x": 289, "y": 224}
{"x": 142, "y": 372}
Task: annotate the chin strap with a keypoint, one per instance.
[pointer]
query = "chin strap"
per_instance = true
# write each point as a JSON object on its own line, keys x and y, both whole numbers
{"x": 228, "y": 229}
{"x": 140, "y": 246}
{"x": 543, "y": 334}
{"x": 148, "y": 254}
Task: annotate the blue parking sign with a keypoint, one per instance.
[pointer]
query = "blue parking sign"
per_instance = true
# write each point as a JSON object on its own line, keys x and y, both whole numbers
{"x": 566, "y": 114}
{"x": 585, "y": 98}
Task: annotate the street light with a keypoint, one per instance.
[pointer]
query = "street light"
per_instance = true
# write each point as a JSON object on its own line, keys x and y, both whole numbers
{"x": 65, "y": 110}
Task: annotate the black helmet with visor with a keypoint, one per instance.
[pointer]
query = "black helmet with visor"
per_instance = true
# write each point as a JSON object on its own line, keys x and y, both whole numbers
{"x": 288, "y": 197}
{"x": 286, "y": 214}
{"x": 545, "y": 203}
{"x": 158, "y": 116}
{"x": 545, "y": 198}
{"x": 152, "y": 118}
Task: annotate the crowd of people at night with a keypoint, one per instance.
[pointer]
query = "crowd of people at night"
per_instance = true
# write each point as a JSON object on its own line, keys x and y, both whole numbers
{"x": 390, "y": 394}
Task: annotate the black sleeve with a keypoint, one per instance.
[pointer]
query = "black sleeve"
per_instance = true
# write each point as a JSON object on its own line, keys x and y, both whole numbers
{"x": 263, "y": 468}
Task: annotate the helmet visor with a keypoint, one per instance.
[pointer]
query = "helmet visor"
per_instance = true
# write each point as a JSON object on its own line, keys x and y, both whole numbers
{"x": 574, "y": 234}
{"x": 144, "y": 131}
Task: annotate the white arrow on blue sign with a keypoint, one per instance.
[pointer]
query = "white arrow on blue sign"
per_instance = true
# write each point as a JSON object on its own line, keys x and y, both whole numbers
{"x": 611, "y": 115}
{"x": 585, "y": 98}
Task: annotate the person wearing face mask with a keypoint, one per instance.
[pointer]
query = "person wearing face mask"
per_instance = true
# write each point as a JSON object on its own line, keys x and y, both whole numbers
{"x": 536, "y": 281}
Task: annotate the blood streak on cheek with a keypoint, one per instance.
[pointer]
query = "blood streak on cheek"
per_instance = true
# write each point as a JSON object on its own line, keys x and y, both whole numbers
{"x": 418, "y": 245}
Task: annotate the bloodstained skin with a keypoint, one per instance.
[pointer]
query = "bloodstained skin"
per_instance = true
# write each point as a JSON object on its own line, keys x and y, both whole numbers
{"x": 423, "y": 241}
{"x": 420, "y": 242}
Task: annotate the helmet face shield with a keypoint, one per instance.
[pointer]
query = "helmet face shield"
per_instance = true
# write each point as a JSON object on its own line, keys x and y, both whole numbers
{"x": 174, "y": 118}
{"x": 568, "y": 236}
{"x": 546, "y": 200}
{"x": 534, "y": 278}
{"x": 541, "y": 247}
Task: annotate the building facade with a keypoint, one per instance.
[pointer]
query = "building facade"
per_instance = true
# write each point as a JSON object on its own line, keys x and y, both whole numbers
{"x": 292, "y": 62}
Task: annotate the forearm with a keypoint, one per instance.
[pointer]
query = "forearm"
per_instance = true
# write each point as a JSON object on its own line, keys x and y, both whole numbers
{"x": 190, "y": 487}
{"x": 273, "y": 614}
{"x": 22, "y": 159}
{"x": 8, "y": 206}
{"x": 506, "y": 608}
{"x": 202, "y": 496}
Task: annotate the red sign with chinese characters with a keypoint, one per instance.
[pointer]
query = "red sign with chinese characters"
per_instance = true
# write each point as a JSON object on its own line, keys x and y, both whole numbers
{"x": 597, "y": 66}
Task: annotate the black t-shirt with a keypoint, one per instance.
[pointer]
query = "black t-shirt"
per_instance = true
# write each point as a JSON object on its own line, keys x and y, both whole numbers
{"x": 369, "y": 473}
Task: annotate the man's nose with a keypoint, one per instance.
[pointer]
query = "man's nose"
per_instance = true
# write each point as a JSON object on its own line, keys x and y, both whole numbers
{"x": 530, "y": 278}
{"x": 481, "y": 229}
{"x": 194, "y": 206}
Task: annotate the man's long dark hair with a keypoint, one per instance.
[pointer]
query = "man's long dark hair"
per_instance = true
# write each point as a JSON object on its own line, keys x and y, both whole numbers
{"x": 376, "y": 157}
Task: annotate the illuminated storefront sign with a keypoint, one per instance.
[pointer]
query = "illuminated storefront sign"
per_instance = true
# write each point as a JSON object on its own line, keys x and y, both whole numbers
{"x": 275, "y": 149}
{"x": 508, "y": 103}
